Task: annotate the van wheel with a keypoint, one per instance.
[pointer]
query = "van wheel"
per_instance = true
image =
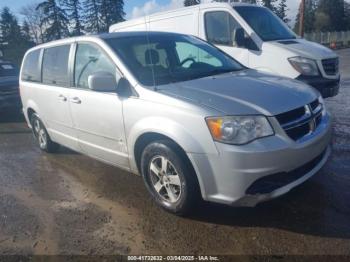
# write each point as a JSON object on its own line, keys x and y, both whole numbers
{"x": 41, "y": 136}
{"x": 169, "y": 177}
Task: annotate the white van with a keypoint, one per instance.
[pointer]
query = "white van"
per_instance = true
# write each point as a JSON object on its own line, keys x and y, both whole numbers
{"x": 254, "y": 36}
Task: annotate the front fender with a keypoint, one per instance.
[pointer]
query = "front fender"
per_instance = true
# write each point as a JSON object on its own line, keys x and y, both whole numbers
{"x": 185, "y": 137}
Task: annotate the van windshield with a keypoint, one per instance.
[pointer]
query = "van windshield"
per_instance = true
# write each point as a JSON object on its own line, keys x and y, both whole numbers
{"x": 161, "y": 58}
{"x": 265, "y": 24}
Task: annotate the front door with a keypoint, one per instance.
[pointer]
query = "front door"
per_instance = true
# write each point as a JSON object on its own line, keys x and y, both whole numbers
{"x": 97, "y": 116}
{"x": 221, "y": 29}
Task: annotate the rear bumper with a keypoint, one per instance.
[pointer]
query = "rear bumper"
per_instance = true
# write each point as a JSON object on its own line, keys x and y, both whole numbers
{"x": 10, "y": 101}
{"x": 327, "y": 87}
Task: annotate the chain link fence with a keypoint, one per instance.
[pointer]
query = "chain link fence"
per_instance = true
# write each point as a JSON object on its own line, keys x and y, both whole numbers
{"x": 330, "y": 39}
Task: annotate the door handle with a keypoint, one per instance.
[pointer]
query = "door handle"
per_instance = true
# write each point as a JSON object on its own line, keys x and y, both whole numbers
{"x": 62, "y": 98}
{"x": 76, "y": 100}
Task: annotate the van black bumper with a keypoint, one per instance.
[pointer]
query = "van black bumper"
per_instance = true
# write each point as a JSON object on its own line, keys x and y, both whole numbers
{"x": 327, "y": 87}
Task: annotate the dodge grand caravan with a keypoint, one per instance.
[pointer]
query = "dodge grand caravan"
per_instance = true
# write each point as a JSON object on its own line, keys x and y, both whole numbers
{"x": 254, "y": 36}
{"x": 191, "y": 120}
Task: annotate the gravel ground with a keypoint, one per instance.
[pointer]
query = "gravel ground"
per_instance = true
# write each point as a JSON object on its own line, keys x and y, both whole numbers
{"x": 70, "y": 204}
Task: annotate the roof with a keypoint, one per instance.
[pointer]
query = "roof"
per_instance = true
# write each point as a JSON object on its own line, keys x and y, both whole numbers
{"x": 133, "y": 33}
{"x": 103, "y": 36}
{"x": 181, "y": 9}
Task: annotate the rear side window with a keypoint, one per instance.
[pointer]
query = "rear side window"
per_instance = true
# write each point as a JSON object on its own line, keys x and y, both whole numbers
{"x": 31, "y": 68}
{"x": 55, "y": 66}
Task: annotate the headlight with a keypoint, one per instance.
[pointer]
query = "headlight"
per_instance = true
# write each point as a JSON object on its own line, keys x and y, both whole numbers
{"x": 304, "y": 66}
{"x": 238, "y": 130}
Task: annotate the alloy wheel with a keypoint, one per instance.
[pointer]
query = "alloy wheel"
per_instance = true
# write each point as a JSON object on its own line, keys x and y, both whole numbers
{"x": 165, "y": 179}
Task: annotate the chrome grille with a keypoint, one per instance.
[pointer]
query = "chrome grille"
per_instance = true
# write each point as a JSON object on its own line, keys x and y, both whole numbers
{"x": 301, "y": 121}
{"x": 331, "y": 66}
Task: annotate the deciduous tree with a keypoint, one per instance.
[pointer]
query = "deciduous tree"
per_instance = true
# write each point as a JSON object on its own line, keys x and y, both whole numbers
{"x": 33, "y": 17}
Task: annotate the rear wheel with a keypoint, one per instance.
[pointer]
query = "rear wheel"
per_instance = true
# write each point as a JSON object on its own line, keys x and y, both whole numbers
{"x": 169, "y": 177}
{"x": 41, "y": 136}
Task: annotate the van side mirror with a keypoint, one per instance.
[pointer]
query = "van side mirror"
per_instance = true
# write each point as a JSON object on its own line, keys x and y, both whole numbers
{"x": 244, "y": 42}
{"x": 240, "y": 37}
{"x": 124, "y": 88}
{"x": 102, "y": 82}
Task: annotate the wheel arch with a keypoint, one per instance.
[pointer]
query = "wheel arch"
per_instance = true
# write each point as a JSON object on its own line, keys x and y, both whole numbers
{"x": 149, "y": 137}
{"x": 30, "y": 109}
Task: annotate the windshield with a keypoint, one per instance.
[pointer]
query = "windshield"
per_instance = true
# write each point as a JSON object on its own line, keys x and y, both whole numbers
{"x": 265, "y": 24}
{"x": 7, "y": 69}
{"x": 160, "y": 59}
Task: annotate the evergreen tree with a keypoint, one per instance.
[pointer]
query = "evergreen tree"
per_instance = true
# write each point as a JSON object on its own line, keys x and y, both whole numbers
{"x": 9, "y": 28}
{"x": 73, "y": 10}
{"x": 347, "y": 15}
{"x": 309, "y": 17}
{"x": 55, "y": 20}
{"x": 334, "y": 12}
{"x": 14, "y": 43}
{"x": 269, "y": 4}
{"x": 111, "y": 12}
{"x": 91, "y": 16}
{"x": 281, "y": 11}
{"x": 191, "y": 2}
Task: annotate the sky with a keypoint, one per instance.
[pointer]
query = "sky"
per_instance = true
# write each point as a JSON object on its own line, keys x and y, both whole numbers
{"x": 134, "y": 8}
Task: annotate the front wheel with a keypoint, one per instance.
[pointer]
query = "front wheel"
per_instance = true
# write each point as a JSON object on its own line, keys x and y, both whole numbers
{"x": 41, "y": 136}
{"x": 169, "y": 177}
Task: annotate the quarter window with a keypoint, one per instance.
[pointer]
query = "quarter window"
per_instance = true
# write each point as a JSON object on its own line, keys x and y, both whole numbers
{"x": 55, "y": 66}
{"x": 90, "y": 59}
{"x": 31, "y": 68}
{"x": 221, "y": 28}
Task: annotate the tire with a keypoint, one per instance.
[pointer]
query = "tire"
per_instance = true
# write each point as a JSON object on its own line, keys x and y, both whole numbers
{"x": 169, "y": 177}
{"x": 41, "y": 136}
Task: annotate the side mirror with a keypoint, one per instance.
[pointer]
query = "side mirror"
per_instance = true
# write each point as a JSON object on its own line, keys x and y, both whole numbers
{"x": 102, "y": 82}
{"x": 124, "y": 88}
{"x": 240, "y": 37}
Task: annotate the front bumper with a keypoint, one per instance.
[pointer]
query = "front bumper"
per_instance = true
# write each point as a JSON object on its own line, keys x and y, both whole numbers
{"x": 226, "y": 177}
{"x": 327, "y": 87}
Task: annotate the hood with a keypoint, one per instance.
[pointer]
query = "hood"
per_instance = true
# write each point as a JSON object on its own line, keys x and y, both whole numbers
{"x": 304, "y": 48}
{"x": 245, "y": 92}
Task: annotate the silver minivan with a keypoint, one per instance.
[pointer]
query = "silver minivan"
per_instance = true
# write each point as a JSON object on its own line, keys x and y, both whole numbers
{"x": 194, "y": 122}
